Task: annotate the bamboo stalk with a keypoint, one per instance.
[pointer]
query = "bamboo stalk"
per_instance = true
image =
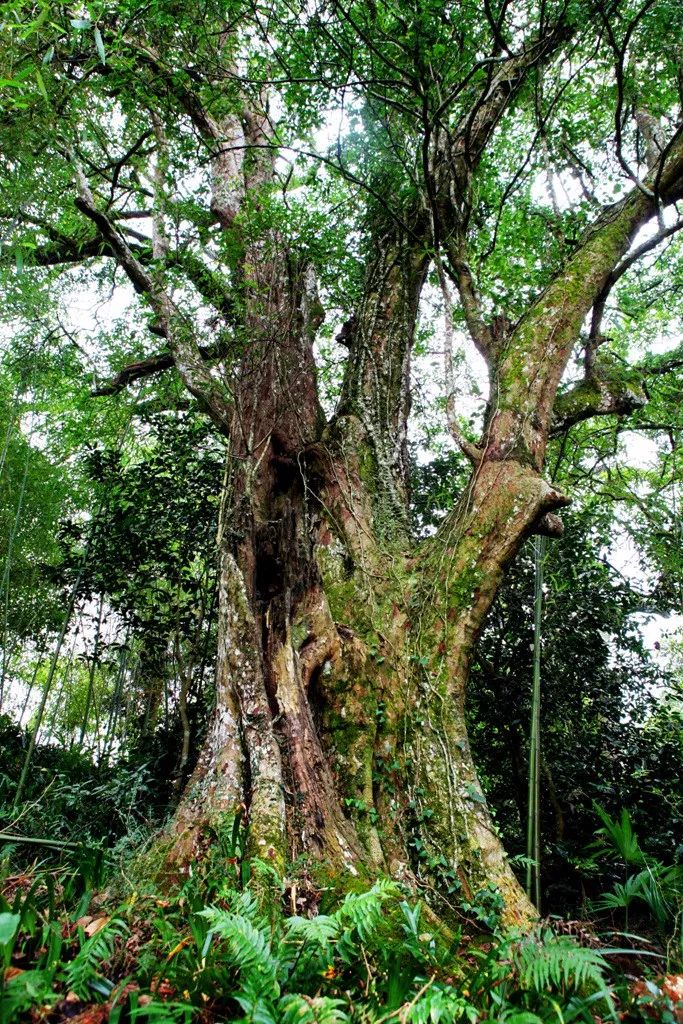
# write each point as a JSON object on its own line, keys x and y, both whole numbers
{"x": 7, "y": 837}
{"x": 53, "y": 668}
{"x": 533, "y": 843}
{"x": 8, "y": 562}
{"x": 91, "y": 676}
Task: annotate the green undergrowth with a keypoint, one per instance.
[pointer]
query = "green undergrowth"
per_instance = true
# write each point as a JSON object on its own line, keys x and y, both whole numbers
{"x": 235, "y": 942}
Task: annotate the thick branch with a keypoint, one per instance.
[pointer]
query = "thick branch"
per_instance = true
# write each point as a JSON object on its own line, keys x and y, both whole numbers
{"x": 64, "y": 250}
{"x": 619, "y": 271}
{"x": 460, "y": 158}
{"x": 148, "y": 367}
{"x": 226, "y": 138}
{"x": 536, "y": 354}
{"x": 474, "y": 131}
{"x": 608, "y": 390}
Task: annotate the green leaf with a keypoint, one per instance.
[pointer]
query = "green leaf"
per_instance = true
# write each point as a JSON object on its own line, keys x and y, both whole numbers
{"x": 8, "y": 927}
{"x": 100, "y": 45}
{"x": 41, "y": 86}
{"x": 524, "y": 1018}
{"x": 81, "y": 23}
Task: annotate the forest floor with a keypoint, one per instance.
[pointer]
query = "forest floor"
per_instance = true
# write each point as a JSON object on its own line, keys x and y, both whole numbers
{"x": 86, "y": 947}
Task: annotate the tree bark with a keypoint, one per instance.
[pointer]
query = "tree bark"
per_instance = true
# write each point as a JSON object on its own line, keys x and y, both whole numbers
{"x": 344, "y": 649}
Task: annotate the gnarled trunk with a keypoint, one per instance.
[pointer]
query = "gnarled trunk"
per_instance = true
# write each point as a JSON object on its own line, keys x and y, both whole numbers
{"x": 343, "y": 648}
{"x": 340, "y": 712}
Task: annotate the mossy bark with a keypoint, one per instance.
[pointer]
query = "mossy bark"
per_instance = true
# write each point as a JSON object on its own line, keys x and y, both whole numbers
{"x": 341, "y": 726}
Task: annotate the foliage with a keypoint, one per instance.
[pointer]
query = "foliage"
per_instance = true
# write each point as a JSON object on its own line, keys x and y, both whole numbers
{"x": 70, "y": 799}
{"x": 33, "y": 496}
{"x": 606, "y": 736}
{"x": 82, "y": 973}
{"x": 658, "y": 886}
{"x": 495, "y": 140}
{"x": 372, "y": 958}
{"x": 545, "y": 960}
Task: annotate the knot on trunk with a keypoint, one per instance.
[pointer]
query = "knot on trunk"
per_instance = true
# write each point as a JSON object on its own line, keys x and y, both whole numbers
{"x": 549, "y": 525}
{"x": 347, "y": 333}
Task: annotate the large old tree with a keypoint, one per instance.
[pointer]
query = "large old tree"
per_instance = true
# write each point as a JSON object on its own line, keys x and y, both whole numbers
{"x": 251, "y": 174}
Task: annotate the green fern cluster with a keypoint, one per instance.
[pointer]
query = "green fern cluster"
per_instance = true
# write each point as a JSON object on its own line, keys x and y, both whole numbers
{"x": 83, "y": 973}
{"x": 656, "y": 886}
{"x": 301, "y": 950}
{"x": 373, "y": 960}
{"x": 545, "y": 960}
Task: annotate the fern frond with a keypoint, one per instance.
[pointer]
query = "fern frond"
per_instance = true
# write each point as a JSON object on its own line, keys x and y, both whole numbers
{"x": 318, "y": 931}
{"x": 363, "y": 911}
{"x": 83, "y": 973}
{"x": 249, "y": 948}
{"x": 312, "y": 1010}
{"x": 544, "y": 960}
{"x": 246, "y": 905}
{"x": 256, "y": 1010}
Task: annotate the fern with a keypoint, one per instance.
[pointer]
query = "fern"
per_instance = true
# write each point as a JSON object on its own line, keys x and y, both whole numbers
{"x": 245, "y": 904}
{"x": 83, "y": 973}
{"x": 544, "y": 960}
{"x": 154, "y": 1012}
{"x": 257, "y": 1010}
{"x": 363, "y": 911}
{"x": 250, "y": 950}
{"x": 439, "y": 1005}
{"x": 318, "y": 931}
{"x": 306, "y": 1010}
{"x": 359, "y": 916}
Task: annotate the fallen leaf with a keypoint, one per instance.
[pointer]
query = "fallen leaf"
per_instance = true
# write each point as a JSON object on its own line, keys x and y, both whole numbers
{"x": 672, "y": 987}
{"x": 95, "y": 926}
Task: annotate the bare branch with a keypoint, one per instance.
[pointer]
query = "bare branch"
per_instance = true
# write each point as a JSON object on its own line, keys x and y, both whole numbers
{"x": 618, "y": 272}
{"x": 641, "y": 250}
{"x": 462, "y": 276}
